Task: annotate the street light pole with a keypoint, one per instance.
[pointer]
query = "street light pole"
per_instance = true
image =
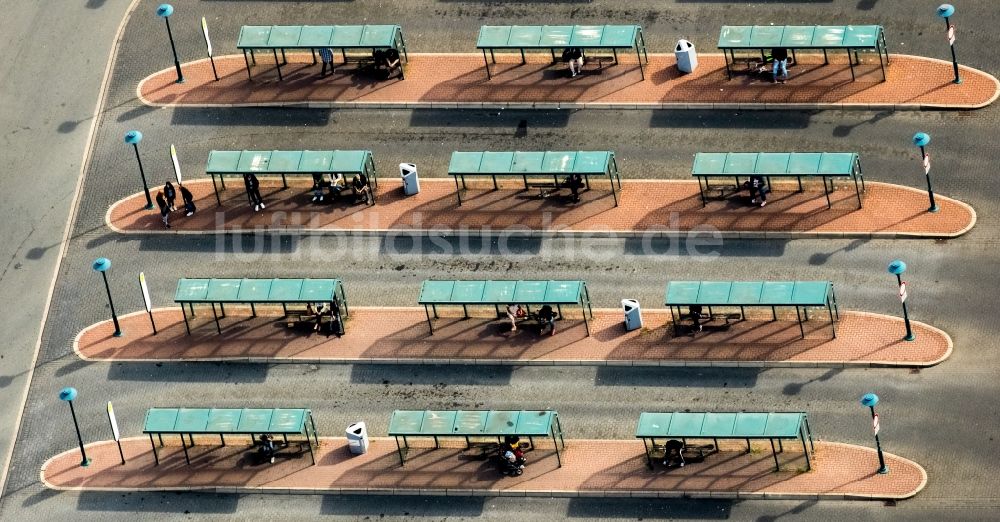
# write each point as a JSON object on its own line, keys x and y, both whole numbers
{"x": 945, "y": 11}
{"x": 68, "y": 394}
{"x": 897, "y": 268}
{"x": 102, "y": 264}
{"x": 164, "y": 11}
{"x": 869, "y": 400}
{"x": 133, "y": 137}
{"x": 921, "y": 139}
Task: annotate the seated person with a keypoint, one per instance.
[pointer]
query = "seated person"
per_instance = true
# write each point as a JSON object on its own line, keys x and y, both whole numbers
{"x": 337, "y": 185}
{"x": 574, "y": 183}
{"x": 673, "y": 453}
{"x": 318, "y": 183}
{"x": 362, "y": 190}
{"x": 266, "y": 447}
{"x": 573, "y": 56}
{"x": 758, "y": 190}
{"x": 780, "y": 57}
{"x": 546, "y": 318}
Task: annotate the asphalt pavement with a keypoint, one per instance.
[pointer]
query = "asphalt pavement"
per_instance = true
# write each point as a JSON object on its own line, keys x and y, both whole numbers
{"x": 942, "y": 417}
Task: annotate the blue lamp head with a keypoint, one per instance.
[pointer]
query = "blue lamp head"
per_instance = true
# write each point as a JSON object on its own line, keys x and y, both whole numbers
{"x": 921, "y": 139}
{"x": 133, "y": 137}
{"x": 164, "y": 10}
{"x": 869, "y": 400}
{"x": 897, "y": 267}
{"x": 101, "y": 264}
{"x": 67, "y": 394}
{"x": 945, "y": 10}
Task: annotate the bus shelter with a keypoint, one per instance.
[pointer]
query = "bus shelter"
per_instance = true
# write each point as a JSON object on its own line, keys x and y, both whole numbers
{"x": 228, "y": 421}
{"x": 259, "y": 291}
{"x": 502, "y": 293}
{"x": 534, "y": 164}
{"x": 343, "y": 37}
{"x": 557, "y": 37}
{"x": 825, "y": 165}
{"x": 710, "y": 425}
{"x": 466, "y": 424}
{"x": 850, "y": 38}
{"x": 284, "y": 163}
{"x": 801, "y": 295}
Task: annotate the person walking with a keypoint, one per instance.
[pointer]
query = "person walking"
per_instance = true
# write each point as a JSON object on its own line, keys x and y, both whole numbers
{"x": 326, "y": 55}
{"x": 170, "y": 194}
{"x": 779, "y": 56}
{"x": 758, "y": 190}
{"x": 253, "y": 191}
{"x": 188, "y": 199}
{"x": 164, "y": 209}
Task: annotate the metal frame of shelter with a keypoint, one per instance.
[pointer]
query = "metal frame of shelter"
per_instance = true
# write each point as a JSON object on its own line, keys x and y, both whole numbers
{"x": 474, "y": 423}
{"x": 552, "y": 37}
{"x": 312, "y": 37}
{"x": 827, "y": 165}
{"x": 259, "y": 291}
{"x": 534, "y": 163}
{"x": 228, "y": 421}
{"x": 792, "y": 37}
{"x": 285, "y": 162}
{"x": 497, "y": 293}
{"x": 725, "y": 425}
{"x": 800, "y": 294}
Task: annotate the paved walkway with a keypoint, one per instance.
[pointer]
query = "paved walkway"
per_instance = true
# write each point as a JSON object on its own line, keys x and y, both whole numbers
{"x": 591, "y": 468}
{"x": 459, "y": 80}
{"x": 646, "y": 208}
{"x": 401, "y": 335}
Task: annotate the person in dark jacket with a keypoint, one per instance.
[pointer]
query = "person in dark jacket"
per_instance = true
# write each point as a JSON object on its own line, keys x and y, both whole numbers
{"x": 253, "y": 191}
{"x": 362, "y": 190}
{"x": 758, "y": 190}
{"x": 164, "y": 209}
{"x": 546, "y": 319}
{"x": 575, "y": 183}
{"x": 188, "y": 198}
{"x": 573, "y": 56}
{"x": 780, "y": 57}
{"x": 170, "y": 194}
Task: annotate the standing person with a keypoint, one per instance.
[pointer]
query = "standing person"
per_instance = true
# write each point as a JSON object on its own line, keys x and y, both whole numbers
{"x": 573, "y": 56}
{"x": 758, "y": 190}
{"x": 513, "y": 311}
{"x": 546, "y": 318}
{"x": 170, "y": 194}
{"x": 780, "y": 57}
{"x": 189, "y": 207}
{"x": 694, "y": 312}
{"x": 164, "y": 209}
{"x": 575, "y": 182}
{"x": 253, "y": 191}
{"x": 335, "y": 318}
{"x": 326, "y": 54}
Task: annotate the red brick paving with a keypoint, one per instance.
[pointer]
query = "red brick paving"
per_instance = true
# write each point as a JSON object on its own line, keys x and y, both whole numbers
{"x": 460, "y": 78}
{"x": 590, "y": 468}
{"x": 401, "y": 334}
{"x": 655, "y": 206}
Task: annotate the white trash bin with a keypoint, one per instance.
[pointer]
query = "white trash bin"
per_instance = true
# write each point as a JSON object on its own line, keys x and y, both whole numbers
{"x": 411, "y": 183}
{"x": 633, "y": 314}
{"x": 687, "y": 58}
{"x": 357, "y": 438}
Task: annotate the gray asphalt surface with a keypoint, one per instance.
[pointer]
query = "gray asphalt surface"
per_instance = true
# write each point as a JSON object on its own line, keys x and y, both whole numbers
{"x": 943, "y": 417}
{"x": 49, "y": 95}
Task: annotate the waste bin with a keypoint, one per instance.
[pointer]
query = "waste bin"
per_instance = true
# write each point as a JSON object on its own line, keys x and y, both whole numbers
{"x": 357, "y": 438}
{"x": 687, "y": 58}
{"x": 633, "y": 315}
{"x": 411, "y": 184}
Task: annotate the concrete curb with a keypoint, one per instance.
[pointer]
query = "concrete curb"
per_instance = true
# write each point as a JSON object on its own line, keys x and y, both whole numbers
{"x": 559, "y": 233}
{"x": 587, "y": 105}
{"x": 511, "y": 492}
{"x": 457, "y": 361}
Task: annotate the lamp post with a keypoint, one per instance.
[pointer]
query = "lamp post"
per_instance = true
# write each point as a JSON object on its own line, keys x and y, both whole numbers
{"x": 897, "y": 268}
{"x": 869, "y": 400}
{"x": 921, "y": 139}
{"x": 68, "y": 394}
{"x": 164, "y": 11}
{"x": 945, "y": 11}
{"x": 102, "y": 264}
{"x": 133, "y": 137}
